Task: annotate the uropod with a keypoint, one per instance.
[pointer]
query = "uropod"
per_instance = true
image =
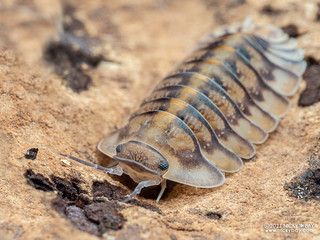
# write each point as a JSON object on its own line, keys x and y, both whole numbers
{"x": 210, "y": 112}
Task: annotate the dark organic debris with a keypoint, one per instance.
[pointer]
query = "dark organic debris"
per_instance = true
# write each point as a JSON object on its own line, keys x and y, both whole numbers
{"x": 38, "y": 181}
{"x": 269, "y": 10}
{"x": 71, "y": 63}
{"x": 306, "y": 186}
{"x": 311, "y": 94}
{"x": 72, "y": 201}
{"x": 31, "y": 153}
{"x": 90, "y": 213}
{"x": 71, "y": 191}
{"x": 105, "y": 215}
{"x": 213, "y": 215}
{"x": 78, "y": 217}
{"x": 72, "y": 54}
{"x": 96, "y": 218}
{"x": 105, "y": 189}
{"x": 292, "y": 30}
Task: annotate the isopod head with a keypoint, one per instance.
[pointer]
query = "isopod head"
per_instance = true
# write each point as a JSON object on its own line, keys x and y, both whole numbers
{"x": 141, "y": 161}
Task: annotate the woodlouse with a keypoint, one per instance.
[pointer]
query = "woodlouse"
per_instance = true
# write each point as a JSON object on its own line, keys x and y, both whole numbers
{"x": 208, "y": 113}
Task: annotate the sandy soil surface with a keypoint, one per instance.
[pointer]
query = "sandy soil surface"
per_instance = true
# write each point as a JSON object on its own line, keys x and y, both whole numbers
{"x": 57, "y": 96}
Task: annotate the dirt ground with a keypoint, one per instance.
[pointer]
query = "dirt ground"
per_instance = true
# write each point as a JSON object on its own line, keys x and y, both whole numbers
{"x": 58, "y": 96}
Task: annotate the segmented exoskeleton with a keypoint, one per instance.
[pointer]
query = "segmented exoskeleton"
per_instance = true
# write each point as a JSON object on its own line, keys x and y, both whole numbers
{"x": 210, "y": 111}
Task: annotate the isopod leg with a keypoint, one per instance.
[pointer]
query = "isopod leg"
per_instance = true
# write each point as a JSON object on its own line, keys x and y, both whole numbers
{"x": 141, "y": 185}
{"x": 163, "y": 187}
{"x": 118, "y": 172}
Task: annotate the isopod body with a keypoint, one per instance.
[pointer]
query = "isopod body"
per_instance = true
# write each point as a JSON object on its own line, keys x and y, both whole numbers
{"x": 209, "y": 113}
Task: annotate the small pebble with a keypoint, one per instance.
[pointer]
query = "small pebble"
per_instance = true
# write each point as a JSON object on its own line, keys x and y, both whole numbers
{"x": 65, "y": 163}
{"x": 31, "y": 153}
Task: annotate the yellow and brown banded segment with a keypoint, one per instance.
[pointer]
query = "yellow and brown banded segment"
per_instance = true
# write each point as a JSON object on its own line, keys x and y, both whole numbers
{"x": 237, "y": 120}
{"x": 276, "y": 76}
{"x": 265, "y": 97}
{"x": 220, "y": 125}
{"x": 220, "y": 156}
{"x": 234, "y": 88}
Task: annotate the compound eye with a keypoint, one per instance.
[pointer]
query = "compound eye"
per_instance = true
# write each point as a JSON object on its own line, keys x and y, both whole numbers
{"x": 118, "y": 148}
{"x": 163, "y": 165}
